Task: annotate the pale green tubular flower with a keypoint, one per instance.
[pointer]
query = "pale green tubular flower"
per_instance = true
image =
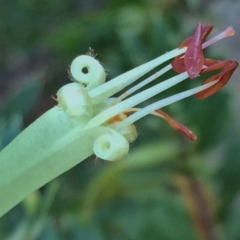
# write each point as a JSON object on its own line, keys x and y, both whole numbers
{"x": 85, "y": 122}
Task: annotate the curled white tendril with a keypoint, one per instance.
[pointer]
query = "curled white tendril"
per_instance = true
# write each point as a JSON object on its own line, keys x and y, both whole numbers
{"x": 73, "y": 99}
{"x": 87, "y": 70}
{"x": 129, "y": 131}
{"x": 111, "y": 146}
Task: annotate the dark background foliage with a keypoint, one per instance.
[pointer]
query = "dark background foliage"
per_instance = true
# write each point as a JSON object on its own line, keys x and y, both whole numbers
{"x": 168, "y": 187}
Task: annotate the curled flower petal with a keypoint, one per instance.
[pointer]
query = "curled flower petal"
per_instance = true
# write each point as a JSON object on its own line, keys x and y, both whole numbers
{"x": 177, "y": 125}
{"x": 222, "y": 78}
{"x": 212, "y": 64}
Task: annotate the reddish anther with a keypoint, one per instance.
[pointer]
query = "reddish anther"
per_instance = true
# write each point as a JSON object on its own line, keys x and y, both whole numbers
{"x": 194, "y": 52}
{"x": 194, "y": 59}
{"x": 177, "y": 126}
{"x": 206, "y": 30}
{"x": 194, "y": 62}
{"x": 178, "y": 65}
{"x": 222, "y": 78}
{"x": 212, "y": 64}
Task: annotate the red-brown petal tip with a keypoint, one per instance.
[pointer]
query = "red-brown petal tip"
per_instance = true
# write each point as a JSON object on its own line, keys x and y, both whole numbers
{"x": 194, "y": 58}
{"x": 186, "y": 132}
{"x": 192, "y": 61}
{"x": 206, "y": 30}
{"x": 222, "y": 78}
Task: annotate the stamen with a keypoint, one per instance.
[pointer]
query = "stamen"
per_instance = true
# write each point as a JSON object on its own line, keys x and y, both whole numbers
{"x": 162, "y": 103}
{"x": 135, "y": 100}
{"x": 108, "y": 89}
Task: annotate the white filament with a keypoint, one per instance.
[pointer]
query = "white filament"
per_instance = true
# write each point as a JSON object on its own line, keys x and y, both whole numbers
{"x": 162, "y": 103}
{"x": 108, "y": 89}
{"x": 134, "y": 100}
{"x": 143, "y": 83}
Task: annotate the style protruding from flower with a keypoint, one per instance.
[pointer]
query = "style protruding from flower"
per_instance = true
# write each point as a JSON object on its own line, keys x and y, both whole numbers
{"x": 90, "y": 97}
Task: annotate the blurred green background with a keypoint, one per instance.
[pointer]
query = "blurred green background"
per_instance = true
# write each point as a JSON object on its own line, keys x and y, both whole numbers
{"x": 167, "y": 187}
